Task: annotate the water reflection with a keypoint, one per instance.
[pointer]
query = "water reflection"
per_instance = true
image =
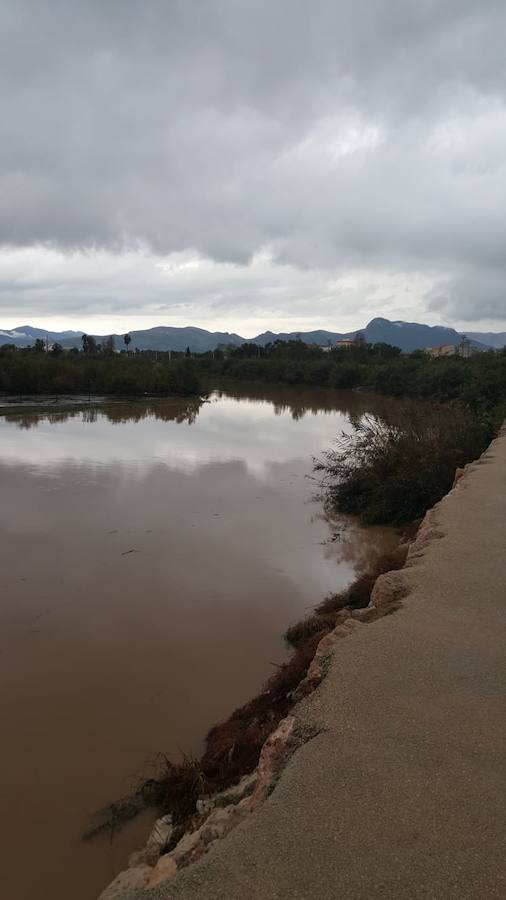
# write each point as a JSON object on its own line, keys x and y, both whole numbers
{"x": 115, "y": 412}
{"x": 260, "y": 432}
{"x": 298, "y": 402}
{"x": 303, "y": 400}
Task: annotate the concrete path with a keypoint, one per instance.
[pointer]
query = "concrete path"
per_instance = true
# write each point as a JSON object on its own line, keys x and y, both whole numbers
{"x": 403, "y": 795}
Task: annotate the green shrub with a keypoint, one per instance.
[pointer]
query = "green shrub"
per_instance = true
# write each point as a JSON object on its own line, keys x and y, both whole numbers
{"x": 392, "y": 473}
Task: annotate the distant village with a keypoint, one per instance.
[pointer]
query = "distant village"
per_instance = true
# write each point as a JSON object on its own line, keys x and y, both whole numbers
{"x": 464, "y": 348}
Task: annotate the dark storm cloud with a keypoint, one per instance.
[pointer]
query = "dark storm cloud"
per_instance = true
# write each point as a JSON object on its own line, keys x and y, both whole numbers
{"x": 337, "y": 135}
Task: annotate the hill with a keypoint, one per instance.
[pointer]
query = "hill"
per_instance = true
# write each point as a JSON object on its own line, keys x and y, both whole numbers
{"x": 411, "y": 336}
{"x": 496, "y": 340}
{"x": 25, "y": 335}
{"x": 408, "y": 336}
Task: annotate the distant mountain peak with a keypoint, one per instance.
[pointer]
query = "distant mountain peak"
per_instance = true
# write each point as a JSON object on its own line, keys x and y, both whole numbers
{"x": 380, "y": 321}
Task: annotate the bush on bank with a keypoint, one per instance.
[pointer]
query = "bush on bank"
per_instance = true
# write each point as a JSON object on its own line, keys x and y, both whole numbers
{"x": 393, "y": 472}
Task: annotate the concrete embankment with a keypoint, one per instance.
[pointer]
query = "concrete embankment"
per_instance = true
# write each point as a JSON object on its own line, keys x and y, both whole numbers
{"x": 401, "y": 792}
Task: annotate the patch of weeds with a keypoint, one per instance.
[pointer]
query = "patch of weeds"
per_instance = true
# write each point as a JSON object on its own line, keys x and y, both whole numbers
{"x": 299, "y": 632}
{"x": 176, "y": 787}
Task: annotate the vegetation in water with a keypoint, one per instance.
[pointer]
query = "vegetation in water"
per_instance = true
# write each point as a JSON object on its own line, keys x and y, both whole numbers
{"x": 393, "y": 472}
{"x": 183, "y": 782}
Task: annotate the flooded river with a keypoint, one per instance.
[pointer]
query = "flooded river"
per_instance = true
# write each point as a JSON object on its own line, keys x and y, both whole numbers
{"x": 152, "y": 554}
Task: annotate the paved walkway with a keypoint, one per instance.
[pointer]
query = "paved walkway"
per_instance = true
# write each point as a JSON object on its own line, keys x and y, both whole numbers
{"x": 404, "y": 794}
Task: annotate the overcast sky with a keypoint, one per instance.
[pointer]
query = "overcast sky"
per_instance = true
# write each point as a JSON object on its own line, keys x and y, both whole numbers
{"x": 252, "y": 164}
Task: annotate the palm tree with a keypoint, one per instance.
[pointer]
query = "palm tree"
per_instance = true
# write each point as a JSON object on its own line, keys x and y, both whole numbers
{"x": 127, "y": 340}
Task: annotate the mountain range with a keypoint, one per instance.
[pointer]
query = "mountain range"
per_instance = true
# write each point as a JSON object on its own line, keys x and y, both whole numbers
{"x": 406, "y": 335}
{"x": 492, "y": 339}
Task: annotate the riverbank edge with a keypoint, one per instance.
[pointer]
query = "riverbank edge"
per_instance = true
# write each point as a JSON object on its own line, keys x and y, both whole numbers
{"x": 219, "y": 814}
{"x": 44, "y": 404}
{"x": 234, "y": 745}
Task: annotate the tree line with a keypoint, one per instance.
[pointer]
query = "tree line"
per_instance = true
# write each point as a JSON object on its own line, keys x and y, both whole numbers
{"x": 95, "y": 370}
{"x": 477, "y": 383}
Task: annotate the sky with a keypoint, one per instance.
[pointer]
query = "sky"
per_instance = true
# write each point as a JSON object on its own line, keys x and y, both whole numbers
{"x": 246, "y": 166}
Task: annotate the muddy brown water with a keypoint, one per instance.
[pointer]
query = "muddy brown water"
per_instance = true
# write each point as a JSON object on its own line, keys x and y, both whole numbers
{"x": 152, "y": 554}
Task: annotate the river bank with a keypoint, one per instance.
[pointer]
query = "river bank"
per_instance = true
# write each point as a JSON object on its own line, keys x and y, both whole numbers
{"x": 203, "y": 799}
{"x": 392, "y": 469}
{"x": 67, "y": 402}
{"x": 399, "y": 790}
{"x": 233, "y": 747}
